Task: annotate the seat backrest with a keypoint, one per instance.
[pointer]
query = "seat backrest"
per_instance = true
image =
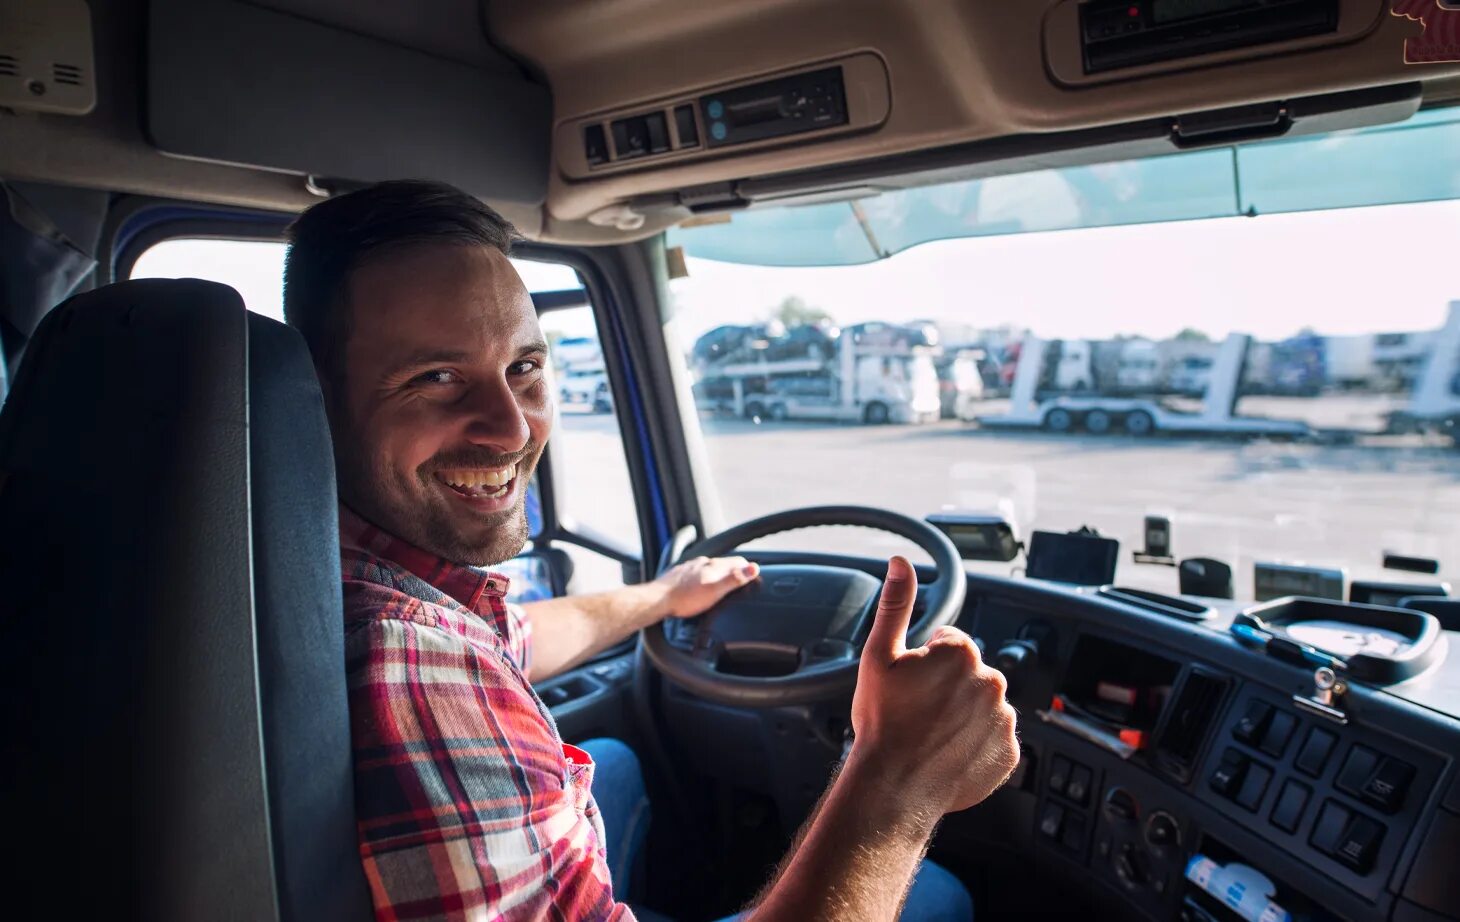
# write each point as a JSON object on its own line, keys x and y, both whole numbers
{"x": 173, "y": 654}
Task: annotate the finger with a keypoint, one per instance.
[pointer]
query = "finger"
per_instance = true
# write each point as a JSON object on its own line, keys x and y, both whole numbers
{"x": 742, "y": 571}
{"x": 888, "y": 638}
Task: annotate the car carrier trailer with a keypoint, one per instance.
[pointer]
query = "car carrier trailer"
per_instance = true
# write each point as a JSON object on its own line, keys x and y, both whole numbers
{"x": 1138, "y": 415}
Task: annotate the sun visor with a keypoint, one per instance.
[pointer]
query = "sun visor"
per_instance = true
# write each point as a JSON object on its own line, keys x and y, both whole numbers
{"x": 232, "y": 82}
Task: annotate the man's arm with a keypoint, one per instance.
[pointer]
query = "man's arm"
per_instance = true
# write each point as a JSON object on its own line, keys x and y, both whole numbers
{"x": 933, "y": 735}
{"x": 570, "y": 630}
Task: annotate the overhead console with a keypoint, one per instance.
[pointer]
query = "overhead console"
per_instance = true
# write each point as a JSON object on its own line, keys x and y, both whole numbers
{"x": 1102, "y": 40}
{"x": 819, "y": 101}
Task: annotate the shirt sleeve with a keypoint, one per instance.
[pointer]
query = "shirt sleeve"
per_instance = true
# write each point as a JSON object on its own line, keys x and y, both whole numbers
{"x": 467, "y": 808}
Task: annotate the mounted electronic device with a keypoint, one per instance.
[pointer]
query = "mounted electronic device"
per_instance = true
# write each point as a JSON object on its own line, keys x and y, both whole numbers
{"x": 978, "y": 537}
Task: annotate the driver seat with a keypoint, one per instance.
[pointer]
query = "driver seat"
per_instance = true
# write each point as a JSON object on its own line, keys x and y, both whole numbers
{"x": 178, "y": 740}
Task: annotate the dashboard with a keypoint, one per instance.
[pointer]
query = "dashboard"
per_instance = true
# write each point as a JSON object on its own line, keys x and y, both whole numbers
{"x": 1225, "y": 795}
{"x": 1169, "y": 769}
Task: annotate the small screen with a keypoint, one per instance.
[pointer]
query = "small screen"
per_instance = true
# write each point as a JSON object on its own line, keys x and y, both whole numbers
{"x": 1084, "y": 560}
{"x": 1164, "y": 11}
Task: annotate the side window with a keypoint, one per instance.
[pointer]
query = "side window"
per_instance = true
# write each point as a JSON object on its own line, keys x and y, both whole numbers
{"x": 592, "y": 493}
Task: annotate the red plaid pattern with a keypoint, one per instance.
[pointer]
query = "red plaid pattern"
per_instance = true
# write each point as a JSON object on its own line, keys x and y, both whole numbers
{"x": 469, "y": 805}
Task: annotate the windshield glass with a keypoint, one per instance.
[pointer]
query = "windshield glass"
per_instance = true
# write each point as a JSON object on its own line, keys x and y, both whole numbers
{"x": 1277, "y": 382}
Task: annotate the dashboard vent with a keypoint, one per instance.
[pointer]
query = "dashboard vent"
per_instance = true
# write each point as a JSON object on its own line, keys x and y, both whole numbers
{"x": 1191, "y": 716}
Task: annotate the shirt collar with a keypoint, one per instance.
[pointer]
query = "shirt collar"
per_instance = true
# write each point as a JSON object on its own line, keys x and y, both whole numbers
{"x": 470, "y": 586}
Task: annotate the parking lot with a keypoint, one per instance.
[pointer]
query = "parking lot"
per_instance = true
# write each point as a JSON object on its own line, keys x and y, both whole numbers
{"x": 1238, "y": 501}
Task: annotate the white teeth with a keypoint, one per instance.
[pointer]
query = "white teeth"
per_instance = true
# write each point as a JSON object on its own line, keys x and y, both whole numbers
{"x": 474, "y": 479}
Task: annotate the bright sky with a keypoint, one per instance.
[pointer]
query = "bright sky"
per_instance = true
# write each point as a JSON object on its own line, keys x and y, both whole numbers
{"x": 1360, "y": 270}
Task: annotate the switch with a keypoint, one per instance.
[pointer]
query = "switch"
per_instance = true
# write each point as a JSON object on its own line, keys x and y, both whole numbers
{"x": 631, "y": 137}
{"x": 1253, "y": 724}
{"x": 1254, "y": 785}
{"x": 1227, "y": 779}
{"x": 1359, "y": 844}
{"x": 1330, "y": 827}
{"x": 1387, "y": 786}
{"x": 595, "y": 145}
{"x": 1287, "y": 813}
{"x": 1313, "y": 757}
{"x": 1059, "y": 774}
{"x": 1275, "y": 740}
{"x": 1078, "y": 789}
{"x": 684, "y": 123}
{"x": 658, "y": 128}
{"x": 1358, "y": 768}
{"x": 1073, "y": 836}
{"x": 1051, "y": 821}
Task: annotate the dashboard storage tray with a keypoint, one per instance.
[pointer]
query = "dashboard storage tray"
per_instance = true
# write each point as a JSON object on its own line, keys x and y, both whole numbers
{"x": 1380, "y": 645}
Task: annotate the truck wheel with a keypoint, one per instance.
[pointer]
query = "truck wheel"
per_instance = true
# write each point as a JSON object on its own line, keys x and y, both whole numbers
{"x": 754, "y": 410}
{"x": 876, "y": 414}
{"x": 1059, "y": 420}
{"x": 778, "y": 412}
{"x": 1098, "y": 422}
{"x": 1139, "y": 422}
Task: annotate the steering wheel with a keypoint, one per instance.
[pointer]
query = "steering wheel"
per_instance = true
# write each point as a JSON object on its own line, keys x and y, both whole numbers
{"x": 795, "y": 635}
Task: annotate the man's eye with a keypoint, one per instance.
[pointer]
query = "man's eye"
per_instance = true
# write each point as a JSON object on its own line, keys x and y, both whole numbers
{"x": 524, "y": 367}
{"x": 436, "y": 376}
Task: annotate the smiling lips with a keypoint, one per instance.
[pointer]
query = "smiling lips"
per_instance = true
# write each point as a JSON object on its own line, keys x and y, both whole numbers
{"x": 479, "y": 483}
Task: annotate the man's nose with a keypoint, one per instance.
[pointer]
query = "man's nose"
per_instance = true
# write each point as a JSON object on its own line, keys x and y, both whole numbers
{"x": 495, "y": 418}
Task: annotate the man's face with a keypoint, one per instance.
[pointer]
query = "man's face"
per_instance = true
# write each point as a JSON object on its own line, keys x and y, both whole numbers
{"x": 444, "y": 409}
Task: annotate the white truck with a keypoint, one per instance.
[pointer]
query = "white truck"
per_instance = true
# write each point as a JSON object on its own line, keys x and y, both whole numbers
{"x": 873, "y": 376}
{"x": 1138, "y": 415}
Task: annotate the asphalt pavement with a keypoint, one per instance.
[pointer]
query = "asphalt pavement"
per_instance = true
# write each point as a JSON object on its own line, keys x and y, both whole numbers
{"x": 1238, "y": 501}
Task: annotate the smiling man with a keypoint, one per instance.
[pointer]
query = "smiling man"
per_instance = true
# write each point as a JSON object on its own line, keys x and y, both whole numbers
{"x": 469, "y": 805}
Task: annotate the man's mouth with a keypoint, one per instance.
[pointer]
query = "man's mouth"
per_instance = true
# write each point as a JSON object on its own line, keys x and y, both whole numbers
{"x": 479, "y": 482}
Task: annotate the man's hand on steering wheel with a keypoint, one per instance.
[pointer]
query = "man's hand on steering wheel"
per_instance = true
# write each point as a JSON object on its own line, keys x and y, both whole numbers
{"x": 695, "y": 586}
{"x": 932, "y": 721}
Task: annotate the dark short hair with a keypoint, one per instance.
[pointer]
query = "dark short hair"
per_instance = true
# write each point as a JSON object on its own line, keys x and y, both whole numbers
{"x": 335, "y": 237}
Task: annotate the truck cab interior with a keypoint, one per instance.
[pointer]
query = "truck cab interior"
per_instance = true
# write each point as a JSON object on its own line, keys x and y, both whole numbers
{"x": 1265, "y": 725}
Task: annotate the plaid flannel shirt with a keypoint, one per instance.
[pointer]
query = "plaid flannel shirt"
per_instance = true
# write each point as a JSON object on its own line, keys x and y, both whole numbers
{"x": 469, "y": 805}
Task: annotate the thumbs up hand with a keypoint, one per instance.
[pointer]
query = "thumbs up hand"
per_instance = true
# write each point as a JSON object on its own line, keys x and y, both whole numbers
{"x": 931, "y": 721}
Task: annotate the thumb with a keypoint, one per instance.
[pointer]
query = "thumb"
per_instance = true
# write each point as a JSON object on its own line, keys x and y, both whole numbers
{"x": 888, "y": 638}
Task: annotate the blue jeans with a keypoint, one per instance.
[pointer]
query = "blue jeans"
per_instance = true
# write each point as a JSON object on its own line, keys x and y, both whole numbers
{"x": 618, "y": 788}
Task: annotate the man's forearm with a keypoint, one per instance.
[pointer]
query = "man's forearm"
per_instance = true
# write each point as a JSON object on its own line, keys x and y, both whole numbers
{"x": 857, "y": 855}
{"x": 570, "y": 630}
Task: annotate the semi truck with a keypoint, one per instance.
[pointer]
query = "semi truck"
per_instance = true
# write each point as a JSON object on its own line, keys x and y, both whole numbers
{"x": 871, "y": 373}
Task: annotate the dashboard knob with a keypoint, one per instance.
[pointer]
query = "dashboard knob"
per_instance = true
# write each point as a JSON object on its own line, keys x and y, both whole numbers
{"x": 1014, "y": 659}
{"x": 1130, "y": 867}
{"x": 1121, "y": 806}
{"x": 1162, "y": 831}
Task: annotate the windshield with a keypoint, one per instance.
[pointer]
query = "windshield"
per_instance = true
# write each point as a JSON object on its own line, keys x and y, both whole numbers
{"x": 1278, "y": 382}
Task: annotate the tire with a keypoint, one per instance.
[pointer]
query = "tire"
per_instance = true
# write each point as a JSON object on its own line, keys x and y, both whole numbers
{"x": 778, "y": 412}
{"x": 754, "y": 410}
{"x": 1098, "y": 422}
{"x": 1139, "y": 422}
{"x": 876, "y": 414}
{"x": 1059, "y": 420}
